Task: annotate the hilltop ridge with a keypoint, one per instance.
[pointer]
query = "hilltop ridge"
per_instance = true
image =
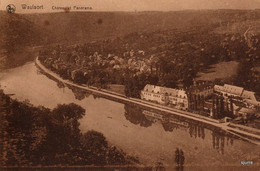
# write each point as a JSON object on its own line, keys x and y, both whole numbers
{"x": 27, "y": 30}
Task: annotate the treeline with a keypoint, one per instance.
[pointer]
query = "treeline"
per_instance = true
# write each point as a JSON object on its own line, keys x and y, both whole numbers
{"x": 246, "y": 76}
{"x": 173, "y": 59}
{"x": 196, "y": 102}
{"x": 177, "y": 63}
{"x": 18, "y": 36}
{"x": 220, "y": 108}
{"x": 33, "y": 136}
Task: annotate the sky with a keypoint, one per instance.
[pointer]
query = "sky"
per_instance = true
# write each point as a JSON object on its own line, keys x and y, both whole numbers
{"x": 130, "y": 5}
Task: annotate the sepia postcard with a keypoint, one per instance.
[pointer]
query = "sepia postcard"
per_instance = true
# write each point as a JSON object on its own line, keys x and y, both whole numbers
{"x": 143, "y": 85}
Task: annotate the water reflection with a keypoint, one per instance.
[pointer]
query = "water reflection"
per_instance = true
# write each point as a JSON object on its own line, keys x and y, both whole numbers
{"x": 167, "y": 126}
{"x": 134, "y": 115}
{"x": 79, "y": 94}
{"x": 179, "y": 159}
{"x": 196, "y": 131}
{"x": 145, "y": 118}
{"x": 218, "y": 142}
{"x": 60, "y": 84}
{"x": 170, "y": 123}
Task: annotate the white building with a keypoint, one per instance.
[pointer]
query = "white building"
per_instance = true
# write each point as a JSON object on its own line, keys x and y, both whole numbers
{"x": 234, "y": 91}
{"x": 153, "y": 93}
{"x": 229, "y": 90}
{"x": 164, "y": 95}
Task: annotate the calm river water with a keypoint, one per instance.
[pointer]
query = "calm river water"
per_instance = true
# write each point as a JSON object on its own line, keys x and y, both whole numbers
{"x": 128, "y": 128}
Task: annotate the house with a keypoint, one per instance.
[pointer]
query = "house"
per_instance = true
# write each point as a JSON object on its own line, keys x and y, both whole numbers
{"x": 177, "y": 97}
{"x": 153, "y": 93}
{"x": 164, "y": 95}
{"x": 250, "y": 98}
{"x": 236, "y": 93}
{"x": 229, "y": 90}
{"x": 248, "y": 95}
{"x": 252, "y": 103}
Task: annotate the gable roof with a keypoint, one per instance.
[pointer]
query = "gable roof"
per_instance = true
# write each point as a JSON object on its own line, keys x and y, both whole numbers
{"x": 164, "y": 90}
{"x": 218, "y": 88}
{"x": 153, "y": 89}
{"x": 233, "y": 89}
{"x": 249, "y": 95}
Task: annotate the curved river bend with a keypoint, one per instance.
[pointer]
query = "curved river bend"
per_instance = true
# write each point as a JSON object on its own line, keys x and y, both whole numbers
{"x": 151, "y": 139}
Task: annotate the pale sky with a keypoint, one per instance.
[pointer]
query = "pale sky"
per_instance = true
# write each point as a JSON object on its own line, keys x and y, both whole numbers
{"x": 132, "y": 5}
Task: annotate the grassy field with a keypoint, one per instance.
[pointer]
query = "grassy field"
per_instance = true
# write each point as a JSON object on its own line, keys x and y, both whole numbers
{"x": 117, "y": 88}
{"x": 222, "y": 70}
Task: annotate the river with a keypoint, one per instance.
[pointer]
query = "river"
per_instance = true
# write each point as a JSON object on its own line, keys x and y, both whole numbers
{"x": 128, "y": 128}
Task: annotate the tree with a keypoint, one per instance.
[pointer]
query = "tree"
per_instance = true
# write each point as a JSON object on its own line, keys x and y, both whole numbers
{"x": 79, "y": 78}
{"x": 221, "y": 107}
{"x": 153, "y": 79}
{"x": 65, "y": 112}
{"x": 217, "y": 107}
{"x": 214, "y": 108}
{"x": 227, "y": 109}
{"x": 199, "y": 102}
{"x": 203, "y": 102}
{"x": 190, "y": 101}
{"x": 195, "y": 102}
{"x": 134, "y": 84}
{"x": 177, "y": 156}
{"x": 95, "y": 147}
{"x": 63, "y": 135}
{"x": 115, "y": 156}
{"x": 18, "y": 33}
{"x": 231, "y": 108}
{"x": 182, "y": 158}
{"x": 39, "y": 136}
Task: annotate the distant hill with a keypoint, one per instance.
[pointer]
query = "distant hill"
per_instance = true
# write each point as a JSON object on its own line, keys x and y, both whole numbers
{"x": 16, "y": 36}
{"x": 79, "y": 27}
{"x": 90, "y": 26}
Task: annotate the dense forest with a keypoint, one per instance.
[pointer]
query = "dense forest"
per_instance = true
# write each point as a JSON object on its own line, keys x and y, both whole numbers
{"x": 169, "y": 58}
{"x": 32, "y": 136}
{"x": 18, "y": 36}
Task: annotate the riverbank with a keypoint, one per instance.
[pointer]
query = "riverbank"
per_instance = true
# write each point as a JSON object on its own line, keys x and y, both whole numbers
{"x": 246, "y": 135}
